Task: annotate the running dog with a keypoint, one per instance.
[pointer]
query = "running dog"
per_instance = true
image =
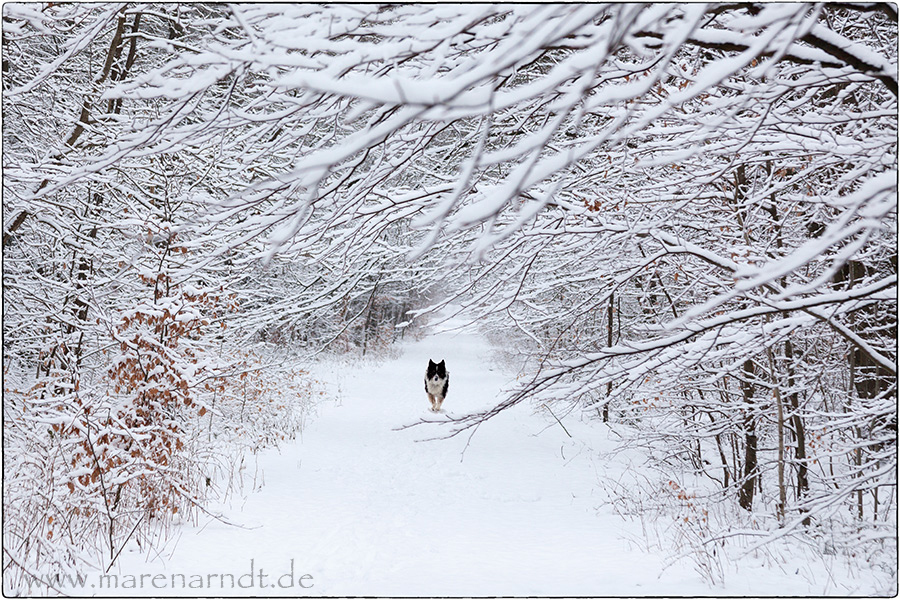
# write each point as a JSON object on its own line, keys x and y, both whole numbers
{"x": 437, "y": 382}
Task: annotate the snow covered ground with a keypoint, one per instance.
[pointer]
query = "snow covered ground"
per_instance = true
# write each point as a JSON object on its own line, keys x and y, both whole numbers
{"x": 358, "y": 507}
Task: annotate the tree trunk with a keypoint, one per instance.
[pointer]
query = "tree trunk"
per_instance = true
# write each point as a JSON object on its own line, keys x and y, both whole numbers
{"x": 609, "y": 343}
{"x": 745, "y": 497}
{"x": 797, "y": 424}
{"x": 779, "y": 411}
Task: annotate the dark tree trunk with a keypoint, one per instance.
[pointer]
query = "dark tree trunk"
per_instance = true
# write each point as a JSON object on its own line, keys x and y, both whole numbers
{"x": 745, "y": 497}
{"x": 797, "y": 424}
{"x": 609, "y": 342}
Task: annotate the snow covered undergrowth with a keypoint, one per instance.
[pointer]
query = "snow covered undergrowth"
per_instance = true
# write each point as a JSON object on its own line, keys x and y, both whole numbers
{"x": 358, "y": 506}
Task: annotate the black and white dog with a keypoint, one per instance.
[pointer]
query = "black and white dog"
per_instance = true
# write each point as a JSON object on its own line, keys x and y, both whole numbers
{"x": 437, "y": 382}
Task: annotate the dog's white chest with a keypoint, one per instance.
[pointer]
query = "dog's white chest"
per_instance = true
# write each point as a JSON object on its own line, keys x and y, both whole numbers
{"x": 435, "y": 387}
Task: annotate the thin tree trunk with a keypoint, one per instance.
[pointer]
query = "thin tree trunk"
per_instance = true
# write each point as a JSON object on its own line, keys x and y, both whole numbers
{"x": 779, "y": 409}
{"x": 609, "y": 343}
{"x": 726, "y": 479}
{"x": 745, "y": 497}
{"x": 371, "y": 305}
{"x": 799, "y": 428}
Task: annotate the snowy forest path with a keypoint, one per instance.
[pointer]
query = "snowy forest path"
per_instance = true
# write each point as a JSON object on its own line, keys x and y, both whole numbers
{"x": 362, "y": 505}
{"x": 368, "y": 508}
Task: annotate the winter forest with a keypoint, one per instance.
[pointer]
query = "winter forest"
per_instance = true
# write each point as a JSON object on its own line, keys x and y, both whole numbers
{"x": 672, "y": 228}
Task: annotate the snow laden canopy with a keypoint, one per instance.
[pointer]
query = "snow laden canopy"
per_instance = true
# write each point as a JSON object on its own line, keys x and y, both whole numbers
{"x": 683, "y": 213}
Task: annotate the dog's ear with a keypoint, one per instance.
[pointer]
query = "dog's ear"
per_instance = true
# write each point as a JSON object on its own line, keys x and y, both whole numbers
{"x": 441, "y": 364}
{"x": 431, "y": 363}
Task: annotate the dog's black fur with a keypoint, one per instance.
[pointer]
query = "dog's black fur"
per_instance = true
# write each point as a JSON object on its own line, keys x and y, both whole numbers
{"x": 437, "y": 382}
